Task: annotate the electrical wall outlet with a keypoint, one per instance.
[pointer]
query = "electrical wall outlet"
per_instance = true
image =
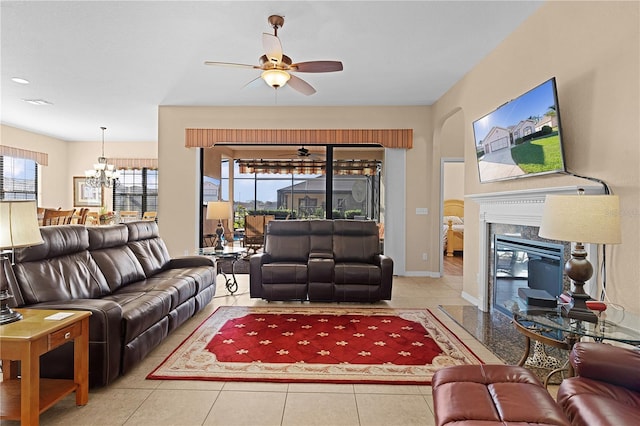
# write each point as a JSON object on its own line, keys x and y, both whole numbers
{"x": 424, "y": 256}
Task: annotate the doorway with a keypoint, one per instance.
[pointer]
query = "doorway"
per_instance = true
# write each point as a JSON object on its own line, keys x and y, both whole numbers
{"x": 452, "y": 222}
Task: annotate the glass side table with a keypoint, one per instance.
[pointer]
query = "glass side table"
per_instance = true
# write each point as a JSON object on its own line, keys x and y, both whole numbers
{"x": 231, "y": 253}
{"x": 550, "y": 327}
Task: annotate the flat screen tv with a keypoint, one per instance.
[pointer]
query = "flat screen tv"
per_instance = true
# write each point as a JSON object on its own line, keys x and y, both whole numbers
{"x": 521, "y": 138}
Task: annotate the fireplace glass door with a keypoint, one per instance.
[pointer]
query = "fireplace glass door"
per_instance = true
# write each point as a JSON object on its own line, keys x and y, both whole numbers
{"x": 520, "y": 263}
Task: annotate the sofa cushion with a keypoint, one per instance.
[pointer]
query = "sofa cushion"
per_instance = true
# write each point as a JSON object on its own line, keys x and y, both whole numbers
{"x": 355, "y": 241}
{"x": 58, "y": 241}
{"x": 288, "y": 240}
{"x": 592, "y": 402}
{"x": 321, "y": 238}
{"x": 357, "y": 273}
{"x": 284, "y": 273}
{"x": 147, "y": 246}
{"x": 101, "y": 237}
{"x": 141, "y": 310}
{"x": 59, "y": 269}
{"x": 180, "y": 288}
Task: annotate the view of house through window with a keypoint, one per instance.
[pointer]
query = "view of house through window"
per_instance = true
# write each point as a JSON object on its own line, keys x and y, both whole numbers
{"x": 138, "y": 190}
{"x": 288, "y": 185}
{"x": 18, "y": 178}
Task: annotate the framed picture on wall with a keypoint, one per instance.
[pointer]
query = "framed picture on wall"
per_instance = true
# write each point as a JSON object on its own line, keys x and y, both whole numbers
{"x": 85, "y": 195}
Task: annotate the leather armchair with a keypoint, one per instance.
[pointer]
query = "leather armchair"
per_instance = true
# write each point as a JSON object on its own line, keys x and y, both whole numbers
{"x": 606, "y": 388}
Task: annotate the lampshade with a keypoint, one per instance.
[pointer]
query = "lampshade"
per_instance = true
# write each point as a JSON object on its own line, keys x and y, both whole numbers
{"x": 19, "y": 224}
{"x": 581, "y": 218}
{"x": 218, "y": 210}
{"x": 275, "y": 78}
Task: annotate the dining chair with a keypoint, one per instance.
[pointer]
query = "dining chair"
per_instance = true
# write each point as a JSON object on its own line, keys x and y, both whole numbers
{"x": 149, "y": 215}
{"x": 129, "y": 216}
{"x": 82, "y": 215}
{"x": 57, "y": 217}
{"x": 92, "y": 218}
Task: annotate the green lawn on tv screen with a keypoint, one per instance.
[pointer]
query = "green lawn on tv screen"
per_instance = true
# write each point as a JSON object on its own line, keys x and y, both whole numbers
{"x": 539, "y": 155}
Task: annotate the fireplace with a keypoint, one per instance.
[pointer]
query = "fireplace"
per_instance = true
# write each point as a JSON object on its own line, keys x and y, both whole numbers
{"x": 522, "y": 263}
{"x": 518, "y": 214}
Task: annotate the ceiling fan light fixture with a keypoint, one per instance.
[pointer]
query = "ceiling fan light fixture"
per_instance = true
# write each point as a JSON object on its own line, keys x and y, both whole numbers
{"x": 275, "y": 78}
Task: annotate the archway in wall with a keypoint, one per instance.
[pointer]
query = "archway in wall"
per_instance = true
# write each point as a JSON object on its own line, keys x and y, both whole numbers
{"x": 449, "y": 143}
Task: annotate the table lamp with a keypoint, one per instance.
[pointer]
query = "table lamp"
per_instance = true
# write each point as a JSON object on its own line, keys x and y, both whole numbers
{"x": 18, "y": 228}
{"x": 581, "y": 219}
{"x": 218, "y": 210}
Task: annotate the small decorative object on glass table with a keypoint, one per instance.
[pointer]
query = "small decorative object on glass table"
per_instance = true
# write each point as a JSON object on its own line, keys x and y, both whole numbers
{"x": 583, "y": 219}
{"x": 18, "y": 228}
{"x": 229, "y": 253}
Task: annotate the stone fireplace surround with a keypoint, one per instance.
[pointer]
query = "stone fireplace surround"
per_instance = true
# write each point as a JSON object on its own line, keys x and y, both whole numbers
{"x": 520, "y": 208}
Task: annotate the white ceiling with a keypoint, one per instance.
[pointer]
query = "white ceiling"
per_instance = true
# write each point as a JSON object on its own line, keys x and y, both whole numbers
{"x": 112, "y": 63}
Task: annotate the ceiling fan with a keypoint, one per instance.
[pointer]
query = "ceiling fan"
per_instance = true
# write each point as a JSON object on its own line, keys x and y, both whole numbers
{"x": 303, "y": 153}
{"x": 277, "y": 68}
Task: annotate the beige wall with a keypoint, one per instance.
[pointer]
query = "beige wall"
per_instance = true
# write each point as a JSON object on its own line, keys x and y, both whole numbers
{"x": 453, "y": 184}
{"x": 592, "y": 48}
{"x": 68, "y": 159}
{"x": 178, "y": 184}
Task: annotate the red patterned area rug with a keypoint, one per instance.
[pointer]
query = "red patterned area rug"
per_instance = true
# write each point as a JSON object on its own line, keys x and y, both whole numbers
{"x": 330, "y": 345}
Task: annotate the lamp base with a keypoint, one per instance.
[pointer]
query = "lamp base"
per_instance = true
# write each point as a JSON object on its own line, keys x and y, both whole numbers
{"x": 7, "y": 315}
{"x": 577, "y": 309}
{"x": 219, "y": 234}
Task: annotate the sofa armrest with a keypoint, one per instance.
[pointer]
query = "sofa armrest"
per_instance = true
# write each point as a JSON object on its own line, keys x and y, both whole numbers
{"x": 255, "y": 273}
{"x": 105, "y": 340}
{"x": 191, "y": 261}
{"x": 610, "y": 364}
{"x": 320, "y": 255}
{"x": 386, "y": 270}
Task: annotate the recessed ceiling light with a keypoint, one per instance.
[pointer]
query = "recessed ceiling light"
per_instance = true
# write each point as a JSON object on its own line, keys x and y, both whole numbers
{"x": 37, "y": 102}
{"x": 20, "y": 80}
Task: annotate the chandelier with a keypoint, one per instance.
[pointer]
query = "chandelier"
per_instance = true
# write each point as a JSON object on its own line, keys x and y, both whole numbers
{"x": 103, "y": 173}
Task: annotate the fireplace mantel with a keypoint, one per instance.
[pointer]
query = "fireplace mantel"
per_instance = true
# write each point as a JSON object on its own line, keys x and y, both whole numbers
{"x": 522, "y": 207}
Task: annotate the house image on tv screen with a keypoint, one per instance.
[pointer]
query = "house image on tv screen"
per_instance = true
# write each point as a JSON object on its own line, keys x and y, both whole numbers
{"x": 520, "y": 138}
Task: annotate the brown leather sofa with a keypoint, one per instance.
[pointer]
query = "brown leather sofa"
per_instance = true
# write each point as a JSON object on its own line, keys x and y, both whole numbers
{"x": 121, "y": 273}
{"x": 606, "y": 386}
{"x": 321, "y": 260}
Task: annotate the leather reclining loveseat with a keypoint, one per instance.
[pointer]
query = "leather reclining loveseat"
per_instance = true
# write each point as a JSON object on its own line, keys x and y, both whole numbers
{"x": 121, "y": 273}
{"x": 321, "y": 260}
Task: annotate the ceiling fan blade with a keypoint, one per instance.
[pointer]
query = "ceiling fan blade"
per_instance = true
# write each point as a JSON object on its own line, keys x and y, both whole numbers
{"x": 301, "y": 86}
{"x": 272, "y": 47}
{"x": 253, "y": 83}
{"x": 230, "y": 64}
{"x": 317, "y": 66}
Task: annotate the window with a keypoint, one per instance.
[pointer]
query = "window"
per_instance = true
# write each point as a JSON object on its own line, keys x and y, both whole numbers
{"x": 18, "y": 178}
{"x": 138, "y": 190}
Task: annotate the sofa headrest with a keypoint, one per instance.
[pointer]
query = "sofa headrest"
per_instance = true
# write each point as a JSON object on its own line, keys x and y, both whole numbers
{"x": 58, "y": 240}
{"x": 321, "y": 227}
{"x": 102, "y": 237}
{"x": 142, "y": 230}
{"x": 354, "y": 227}
{"x": 288, "y": 227}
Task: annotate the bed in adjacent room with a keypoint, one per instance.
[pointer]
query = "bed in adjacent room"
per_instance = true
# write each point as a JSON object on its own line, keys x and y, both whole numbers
{"x": 453, "y": 226}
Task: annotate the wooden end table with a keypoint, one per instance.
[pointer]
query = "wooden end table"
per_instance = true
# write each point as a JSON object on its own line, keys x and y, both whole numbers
{"x": 26, "y": 397}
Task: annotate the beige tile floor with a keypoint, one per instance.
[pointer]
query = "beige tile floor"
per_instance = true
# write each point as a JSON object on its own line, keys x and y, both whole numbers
{"x": 132, "y": 400}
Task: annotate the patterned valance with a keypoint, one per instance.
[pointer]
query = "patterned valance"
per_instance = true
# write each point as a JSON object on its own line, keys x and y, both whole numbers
{"x": 309, "y": 167}
{"x": 39, "y": 157}
{"x": 134, "y": 163}
{"x": 388, "y": 138}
